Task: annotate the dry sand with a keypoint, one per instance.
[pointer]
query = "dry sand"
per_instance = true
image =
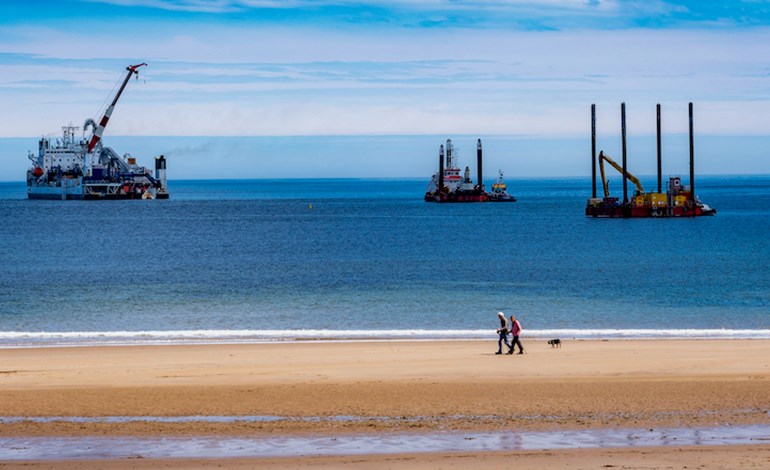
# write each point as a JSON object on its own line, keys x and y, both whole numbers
{"x": 457, "y": 385}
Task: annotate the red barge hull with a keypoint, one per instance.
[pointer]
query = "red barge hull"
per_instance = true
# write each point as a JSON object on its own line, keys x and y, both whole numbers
{"x": 602, "y": 211}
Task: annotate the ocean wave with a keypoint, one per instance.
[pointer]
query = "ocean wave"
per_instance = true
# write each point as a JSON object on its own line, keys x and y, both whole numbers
{"x": 74, "y": 338}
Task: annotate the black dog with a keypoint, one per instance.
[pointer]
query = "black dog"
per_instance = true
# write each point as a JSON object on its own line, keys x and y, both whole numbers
{"x": 555, "y": 343}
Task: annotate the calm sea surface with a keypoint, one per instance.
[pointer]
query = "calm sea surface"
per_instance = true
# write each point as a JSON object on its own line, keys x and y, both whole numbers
{"x": 283, "y": 259}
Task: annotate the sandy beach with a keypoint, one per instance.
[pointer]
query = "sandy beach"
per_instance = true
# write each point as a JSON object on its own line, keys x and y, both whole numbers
{"x": 398, "y": 387}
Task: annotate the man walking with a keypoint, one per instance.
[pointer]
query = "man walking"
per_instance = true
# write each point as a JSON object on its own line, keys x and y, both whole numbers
{"x": 503, "y": 333}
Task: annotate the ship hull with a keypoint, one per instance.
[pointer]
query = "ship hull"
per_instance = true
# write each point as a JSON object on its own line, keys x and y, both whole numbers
{"x": 74, "y": 189}
{"x": 463, "y": 198}
{"x": 456, "y": 197}
{"x": 645, "y": 212}
{"x": 67, "y": 189}
{"x": 496, "y": 198}
{"x": 53, "y": 196}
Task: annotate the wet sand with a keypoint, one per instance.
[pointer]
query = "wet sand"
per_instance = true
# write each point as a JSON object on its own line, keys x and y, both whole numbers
{"x": 394, "y": 387}
{"x": 720, "y": 457}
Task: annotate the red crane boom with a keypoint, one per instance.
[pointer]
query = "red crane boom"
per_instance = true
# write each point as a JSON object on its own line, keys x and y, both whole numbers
{"x": 132, "y": 70}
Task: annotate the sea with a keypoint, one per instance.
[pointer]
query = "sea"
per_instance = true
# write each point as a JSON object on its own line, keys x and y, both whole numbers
{"x": 281, "y": 260}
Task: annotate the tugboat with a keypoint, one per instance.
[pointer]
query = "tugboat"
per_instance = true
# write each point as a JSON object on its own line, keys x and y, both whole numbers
{"x": 448, "y": 186}
{"x": 499, "y": 191}
{"x": 71, "y": 168}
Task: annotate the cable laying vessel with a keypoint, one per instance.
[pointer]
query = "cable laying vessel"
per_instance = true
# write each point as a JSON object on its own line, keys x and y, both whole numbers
{"x": 75, "y": 168}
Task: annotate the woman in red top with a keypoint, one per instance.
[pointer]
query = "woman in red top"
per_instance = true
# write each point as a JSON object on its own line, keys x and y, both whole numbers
{"x": 515, "y": 332}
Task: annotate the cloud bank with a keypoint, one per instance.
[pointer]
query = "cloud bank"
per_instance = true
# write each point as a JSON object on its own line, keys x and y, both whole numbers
{"x": 226, "y": 82}
{"x": 519, "y": 68}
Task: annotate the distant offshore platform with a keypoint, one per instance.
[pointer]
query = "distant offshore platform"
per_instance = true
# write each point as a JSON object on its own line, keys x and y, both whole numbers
{"x": 447, "y": 185}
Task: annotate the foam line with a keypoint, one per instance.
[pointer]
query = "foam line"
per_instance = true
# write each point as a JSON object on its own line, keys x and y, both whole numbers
{"x": 30, "y": 338}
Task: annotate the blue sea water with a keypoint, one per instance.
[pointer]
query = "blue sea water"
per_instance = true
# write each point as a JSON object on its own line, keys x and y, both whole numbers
{"x": 250, "y": 260}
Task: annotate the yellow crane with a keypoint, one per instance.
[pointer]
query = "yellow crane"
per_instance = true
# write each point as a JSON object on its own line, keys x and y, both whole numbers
{"x": 631, "y": 178}
{"x": 640, "y": 198}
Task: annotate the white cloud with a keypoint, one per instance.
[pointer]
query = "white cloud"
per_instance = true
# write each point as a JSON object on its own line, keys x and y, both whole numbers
{"x": 201, "y": 6}
{"x": 483, "y": 8}
{"x": 224, "y": 81}
{"x": 236, "y": 5}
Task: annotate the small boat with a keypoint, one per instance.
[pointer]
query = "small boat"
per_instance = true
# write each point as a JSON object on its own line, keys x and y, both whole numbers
{"x": 499, "y": 191}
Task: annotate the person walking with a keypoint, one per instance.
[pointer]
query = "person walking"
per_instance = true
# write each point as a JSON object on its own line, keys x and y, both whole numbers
{"x": 502, "y": 333}
{"x": 515, "y": 332}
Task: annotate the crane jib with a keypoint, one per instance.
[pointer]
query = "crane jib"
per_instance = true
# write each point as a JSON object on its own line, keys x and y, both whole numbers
{"x": 132, "y": 69}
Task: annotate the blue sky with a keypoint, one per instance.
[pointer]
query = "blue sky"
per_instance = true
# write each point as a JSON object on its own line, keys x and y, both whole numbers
{"x": 519, "y": 68}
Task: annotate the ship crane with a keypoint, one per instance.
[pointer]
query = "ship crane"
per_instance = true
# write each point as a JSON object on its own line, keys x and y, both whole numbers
{"x": 132, "y": 70}
{"x": 602, "y": 158}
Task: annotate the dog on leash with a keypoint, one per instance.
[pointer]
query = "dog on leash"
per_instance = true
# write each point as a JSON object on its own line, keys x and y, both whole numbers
{"x": 555, "y": 343}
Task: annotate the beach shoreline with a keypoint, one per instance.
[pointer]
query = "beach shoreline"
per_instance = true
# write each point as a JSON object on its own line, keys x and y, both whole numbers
{"x": 385, "y": 388}
{"x": 41, "y": 339}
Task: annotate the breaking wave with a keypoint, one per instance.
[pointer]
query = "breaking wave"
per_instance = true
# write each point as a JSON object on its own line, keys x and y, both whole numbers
{"x": 96, "y": 338}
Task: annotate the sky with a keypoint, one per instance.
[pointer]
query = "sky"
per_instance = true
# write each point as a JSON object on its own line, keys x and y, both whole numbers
{"x": 225, "y": 75}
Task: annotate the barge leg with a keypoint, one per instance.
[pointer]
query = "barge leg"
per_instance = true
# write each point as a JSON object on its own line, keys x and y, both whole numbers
{"x": 593, "y": 150}
{"x": 626, "y": 212}
{"x": 440, "y": 189}
{"x": 692, "y": 165}
{"x": 478, "y": 166}
{"x": 660, "y": 182}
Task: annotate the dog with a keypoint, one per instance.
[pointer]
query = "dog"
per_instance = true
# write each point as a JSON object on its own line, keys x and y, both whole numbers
{"x": 555, "y": 343}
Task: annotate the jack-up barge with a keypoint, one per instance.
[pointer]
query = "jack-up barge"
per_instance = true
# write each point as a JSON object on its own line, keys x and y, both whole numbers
{"x": 448, "y": 186}
{"x": 677, "y": 201}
